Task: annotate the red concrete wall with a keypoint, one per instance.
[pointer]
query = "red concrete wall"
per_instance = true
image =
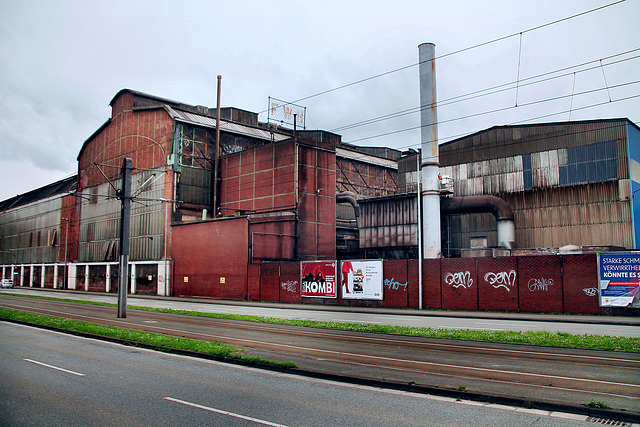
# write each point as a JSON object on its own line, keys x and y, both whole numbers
{"x": 206, "y": 254}
{"x": 459, "y": 284}
{"x": 540, "y": 280}
{"x": 498, "y": 284}
{"x": 580, "y": 283}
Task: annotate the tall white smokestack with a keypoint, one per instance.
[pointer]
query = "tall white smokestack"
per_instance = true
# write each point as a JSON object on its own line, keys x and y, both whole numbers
{"x": 430, "y": 168}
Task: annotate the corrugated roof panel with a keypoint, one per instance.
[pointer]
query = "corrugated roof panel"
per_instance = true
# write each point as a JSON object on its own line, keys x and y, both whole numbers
{"x": 235, "y": 128}
{"x": 365, "y": 158}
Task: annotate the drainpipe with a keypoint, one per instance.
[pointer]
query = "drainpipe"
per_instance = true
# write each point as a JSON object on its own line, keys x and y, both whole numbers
{"x": 430, "y": 168}
{"x": 485, "y": 204}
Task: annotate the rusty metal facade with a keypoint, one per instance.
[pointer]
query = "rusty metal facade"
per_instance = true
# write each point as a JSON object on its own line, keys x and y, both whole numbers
{"x": 567, "y": 183}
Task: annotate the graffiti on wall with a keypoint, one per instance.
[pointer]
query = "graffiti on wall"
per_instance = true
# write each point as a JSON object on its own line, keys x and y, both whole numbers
{"x": 459, "y": 279}
{"x": 290, "y": 286}
{"x": 503, "y": 279}
{"x": 392, "y": 284}
{"x": 540, "y": 284}
{"x": 590, "y": 292}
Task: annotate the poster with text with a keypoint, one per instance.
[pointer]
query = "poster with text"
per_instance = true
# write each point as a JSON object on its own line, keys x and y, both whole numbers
{"x": 361, "y": 280}
{"x": 318, "y": 279}
{"x": 619, "y": 279}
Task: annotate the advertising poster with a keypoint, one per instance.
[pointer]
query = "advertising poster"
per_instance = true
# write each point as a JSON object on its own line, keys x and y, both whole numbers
{"x": 318, "y": 279}
{"x": 619, "y": 279}
{"x": 361, "y": 280}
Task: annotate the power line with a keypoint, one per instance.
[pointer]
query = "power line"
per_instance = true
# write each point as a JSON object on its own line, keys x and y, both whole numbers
{"x": 386, "y": 73}
{"x": 493, "y": 90}
{"x": 495, "y": 111}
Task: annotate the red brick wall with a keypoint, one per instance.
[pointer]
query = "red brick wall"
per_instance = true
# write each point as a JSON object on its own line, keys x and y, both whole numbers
{"x": 144, "y": 136}
{"x": 273, "y": 238}
{"x": 317, "y": 207}
{"x": 270, "y": 282}
{"x": 260, "y": 179}
{"x": 290, "y": 282}
{"x": 395, "y": 283}
{"x": 498, "y": 284}
{"x": 253, "y": 282}
{"x": 541, "y": 288}
{"x": 413, "y": 289}
{"x": 580, "y": 283}
{"x": 459, "y": 281}
{"x": 431, "y": 283}
{"x": 205, "y": 253}
{"x": 263, "y": 180}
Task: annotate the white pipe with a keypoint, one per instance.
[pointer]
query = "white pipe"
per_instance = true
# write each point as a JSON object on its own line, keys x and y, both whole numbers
{"x": 432, "y": 239}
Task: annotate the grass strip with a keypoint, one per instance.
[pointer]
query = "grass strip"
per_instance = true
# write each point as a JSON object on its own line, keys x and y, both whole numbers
{"x": 540, "y": 338}
{"x": 160, "y": 342}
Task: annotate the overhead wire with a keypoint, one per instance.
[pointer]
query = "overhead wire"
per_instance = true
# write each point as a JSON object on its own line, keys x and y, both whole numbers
{"x": 386, "y": 73}
{"x": 511, "y": 107}
{"x": 493, "y": 90}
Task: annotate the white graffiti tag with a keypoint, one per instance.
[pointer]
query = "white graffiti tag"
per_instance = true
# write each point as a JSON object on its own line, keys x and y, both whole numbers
{"x": 461, "y": 278}
{"x": 502, "y": 279}
{"x": 539, "y": 284}
{"x": 590, "y": 292}
{"x": 290, "y": 286}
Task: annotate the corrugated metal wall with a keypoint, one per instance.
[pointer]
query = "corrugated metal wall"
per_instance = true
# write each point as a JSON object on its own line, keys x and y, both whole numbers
{"x": 100, "y": 220}
{"x": 31, "y": 232}
{"x": 389, "y": 222}
{"x": 567, "y": 183}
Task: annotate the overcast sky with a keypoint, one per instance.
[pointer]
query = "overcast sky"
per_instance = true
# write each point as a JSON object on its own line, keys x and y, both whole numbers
{"x": 61, "y": 63}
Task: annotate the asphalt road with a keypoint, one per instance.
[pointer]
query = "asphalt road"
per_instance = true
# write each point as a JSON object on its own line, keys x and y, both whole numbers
{"x": 53, "y": 379}
{"x": 527, "y": 373}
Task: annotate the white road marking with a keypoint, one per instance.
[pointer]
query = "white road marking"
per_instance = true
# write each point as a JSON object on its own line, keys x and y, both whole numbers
{"x": 220, "y": 411}
{"x": 54, "y": 367}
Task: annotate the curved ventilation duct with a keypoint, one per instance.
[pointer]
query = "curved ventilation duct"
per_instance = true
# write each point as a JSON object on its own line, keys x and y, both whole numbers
{"x": 485, "y": 204}
{"x": 350, "y": 197}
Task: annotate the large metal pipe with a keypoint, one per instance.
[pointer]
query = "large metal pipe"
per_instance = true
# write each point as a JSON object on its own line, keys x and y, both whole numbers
{"x": 485, "y": 204}
{"x": 350, "y": 197}
{"x": 430, "y": 168}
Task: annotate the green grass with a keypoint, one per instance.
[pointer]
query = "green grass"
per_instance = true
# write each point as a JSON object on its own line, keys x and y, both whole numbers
{"x": 597, "y": 404}
{"x": 557, "y": 339}
{"x": 542, "y": 338}
{"x": 156, "y": 341}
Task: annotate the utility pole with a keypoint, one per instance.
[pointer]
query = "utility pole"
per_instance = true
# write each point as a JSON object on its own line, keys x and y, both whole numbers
{"x": 214, "y": 184}
{"x": 125, "y": 216}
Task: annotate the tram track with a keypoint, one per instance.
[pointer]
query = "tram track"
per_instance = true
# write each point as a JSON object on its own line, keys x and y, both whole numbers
{"x": 532, "y": 371}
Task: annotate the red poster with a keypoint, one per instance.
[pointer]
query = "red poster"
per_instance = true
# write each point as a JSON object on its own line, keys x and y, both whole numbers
{"x": 318, "y": 279}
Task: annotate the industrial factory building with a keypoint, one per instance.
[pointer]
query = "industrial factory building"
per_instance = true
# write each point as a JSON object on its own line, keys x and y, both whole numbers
{"x": 237, "y": 225}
